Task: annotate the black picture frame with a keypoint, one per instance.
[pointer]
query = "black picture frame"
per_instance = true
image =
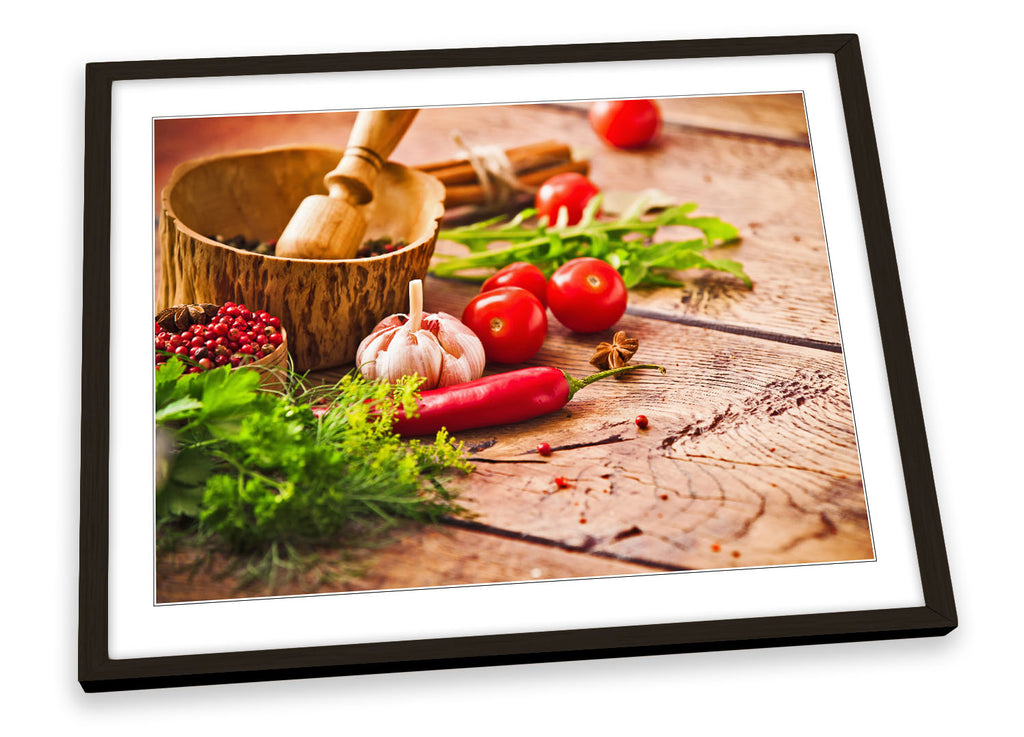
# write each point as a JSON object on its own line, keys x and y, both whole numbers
{"x": 99, "y": 672}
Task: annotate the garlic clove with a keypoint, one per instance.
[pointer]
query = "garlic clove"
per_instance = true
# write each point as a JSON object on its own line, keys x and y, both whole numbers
{"x": 371, "y": 345}
{"x": 464, "y": 353}
{"x": 391, "y": 321}
{"x": 456, "y": 371}
{"x": 410, "y": 352}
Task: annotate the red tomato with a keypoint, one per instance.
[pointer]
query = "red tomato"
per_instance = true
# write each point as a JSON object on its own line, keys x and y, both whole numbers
{"x": 626, "y": 123}
{"x": 587, "y": 295}
{"x": 520, "y": 274}
{"x": 510, "y": 322}
{"x": 569, "y": 190}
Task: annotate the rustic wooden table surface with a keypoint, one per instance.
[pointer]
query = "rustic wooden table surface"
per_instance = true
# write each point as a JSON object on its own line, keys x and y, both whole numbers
{"x": 750, "y": 456}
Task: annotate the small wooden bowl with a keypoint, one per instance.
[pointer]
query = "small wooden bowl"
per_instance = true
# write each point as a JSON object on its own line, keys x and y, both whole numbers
{"x": 273, "y": 367}
{"x": 327, "y": 306}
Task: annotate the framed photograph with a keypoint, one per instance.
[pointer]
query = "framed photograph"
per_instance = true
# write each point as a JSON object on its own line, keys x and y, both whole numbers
{"x": 487, "y": 356}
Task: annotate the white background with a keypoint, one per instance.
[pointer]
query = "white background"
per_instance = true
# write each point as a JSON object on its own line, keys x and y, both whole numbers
{"x": 942, "y": 88}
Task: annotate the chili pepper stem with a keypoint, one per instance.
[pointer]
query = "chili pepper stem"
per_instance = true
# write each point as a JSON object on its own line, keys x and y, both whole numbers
{"x": 576, "y": 384}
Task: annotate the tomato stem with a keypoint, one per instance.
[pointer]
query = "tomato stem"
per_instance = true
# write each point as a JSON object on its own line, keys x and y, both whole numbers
{"x": 576, "y": 384}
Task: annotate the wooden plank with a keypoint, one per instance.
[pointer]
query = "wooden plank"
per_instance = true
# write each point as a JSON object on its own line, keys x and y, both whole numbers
{"x": 776, "y": 116}
{"x": 416, "y": 557}
{"x": 765, "y": 187}
{"x": 751, "y": 442}
{"x": 792, "y": 296}
{"x": 780, "y": 116}
{"x": 676, "y": 511}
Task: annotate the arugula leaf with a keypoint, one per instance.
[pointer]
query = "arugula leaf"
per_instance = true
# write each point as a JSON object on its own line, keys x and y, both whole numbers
{"x": 627, "y": 243}
{"x": 731, "y": 267}
{"x": 714, "y": 229}
{"x": 661, "y": 254}
{"x": 691, "y": 260}
{"x": 633, "y": 273}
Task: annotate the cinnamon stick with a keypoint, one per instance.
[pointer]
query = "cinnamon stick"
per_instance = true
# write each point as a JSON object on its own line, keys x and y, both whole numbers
{"x": 532, "y": 164}
{"x": 522, "y": 159}
{"x": 473, "y": 194}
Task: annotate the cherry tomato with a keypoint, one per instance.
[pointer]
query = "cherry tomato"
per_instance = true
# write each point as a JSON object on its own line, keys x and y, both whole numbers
{"x": 510, "y": 322}
{"x": 587, "y": 295}
{"x": 569, "y": 190}
{"x": 520, "y": 274}
{"x": 626, "y": 123}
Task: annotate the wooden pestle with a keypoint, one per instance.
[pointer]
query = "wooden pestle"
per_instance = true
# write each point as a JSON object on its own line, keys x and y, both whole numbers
{"x": 332, "y": 226}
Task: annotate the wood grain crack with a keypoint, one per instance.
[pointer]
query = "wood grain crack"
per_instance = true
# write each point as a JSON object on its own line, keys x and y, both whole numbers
{"x": 706, "y": 130}
{"x": 756, "y": 464}
{"x": 747, "y": 332}
{"x": 586, "y": 548}
{"x": 591, "y": 444}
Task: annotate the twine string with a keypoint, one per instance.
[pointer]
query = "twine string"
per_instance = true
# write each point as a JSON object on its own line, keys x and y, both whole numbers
{"x": 494, "y": 171}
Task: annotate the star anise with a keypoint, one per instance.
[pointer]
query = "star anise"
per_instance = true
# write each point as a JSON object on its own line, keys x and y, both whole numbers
{"x": 181, "y": 317}
{"x": 614, "y": 354}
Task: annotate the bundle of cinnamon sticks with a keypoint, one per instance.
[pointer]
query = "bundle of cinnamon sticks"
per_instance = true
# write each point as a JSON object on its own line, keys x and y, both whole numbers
{"x": 531, "y": 164}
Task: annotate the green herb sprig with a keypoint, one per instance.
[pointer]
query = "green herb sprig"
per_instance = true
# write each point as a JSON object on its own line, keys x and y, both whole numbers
{"x": 260, "y": 471}
{"x": 626, "y": 243}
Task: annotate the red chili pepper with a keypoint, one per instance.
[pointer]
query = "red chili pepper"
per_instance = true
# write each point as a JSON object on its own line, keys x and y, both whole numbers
{"x": 500, "y": 399}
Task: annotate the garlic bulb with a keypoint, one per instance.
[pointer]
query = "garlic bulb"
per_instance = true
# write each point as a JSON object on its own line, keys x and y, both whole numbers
{"x": 436, "y": 346}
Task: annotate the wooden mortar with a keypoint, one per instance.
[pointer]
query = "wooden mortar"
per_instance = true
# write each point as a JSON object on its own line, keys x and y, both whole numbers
{"x": 327, "y": 306}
